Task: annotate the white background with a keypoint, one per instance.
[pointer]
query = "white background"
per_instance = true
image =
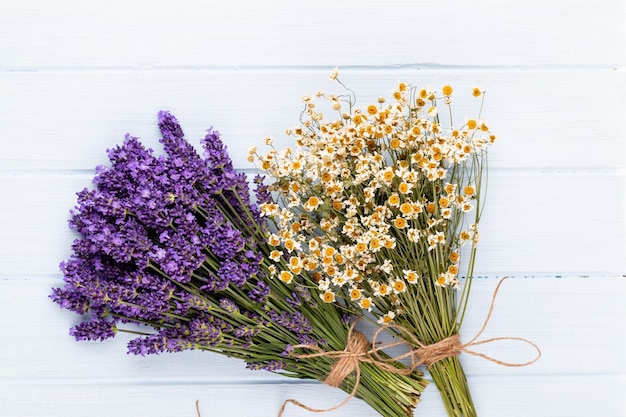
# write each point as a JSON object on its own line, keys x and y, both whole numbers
{"x": 75, "y": 76}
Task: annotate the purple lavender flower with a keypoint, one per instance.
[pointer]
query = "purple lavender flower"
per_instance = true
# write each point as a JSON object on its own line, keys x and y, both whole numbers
{"x": 215, "y": 152}
{"x": 292, "y": 321}
{"x": 246, "y": 331}
{"x": 259, "y": 293}
{"x": 70, "y": 300}
{"x": 293, "y": 300}
{"x": 272, "y": 365}
{"x": 205, "y": 333}
{"x": 173, "y": 243}
{"x": 229, "y": 305}
{"x": 305, "y": 294}
{"x": 94, "y": 330}
{"x": 262, "y": 191}
{"x": 162, "y": 341}
{"x": 226, "y": 241}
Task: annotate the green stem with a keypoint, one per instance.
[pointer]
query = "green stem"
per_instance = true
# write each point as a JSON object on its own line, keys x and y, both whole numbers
{"x": 449, "y": 377}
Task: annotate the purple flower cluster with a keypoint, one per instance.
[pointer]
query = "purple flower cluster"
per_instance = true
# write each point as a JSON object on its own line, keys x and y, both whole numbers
{"x": 272, "y": 365}
{"x": 262, "y": 190}
{"x": 300, "y": 295}
{"x": 172, "y": 242}
{"x": 296, "y": 323}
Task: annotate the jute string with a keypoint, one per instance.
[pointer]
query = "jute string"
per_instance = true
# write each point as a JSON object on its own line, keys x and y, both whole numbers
{"x": 358, "y": 351}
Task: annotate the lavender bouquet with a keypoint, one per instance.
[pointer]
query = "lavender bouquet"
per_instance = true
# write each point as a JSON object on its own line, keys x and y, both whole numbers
{"x": 173, "y": 244}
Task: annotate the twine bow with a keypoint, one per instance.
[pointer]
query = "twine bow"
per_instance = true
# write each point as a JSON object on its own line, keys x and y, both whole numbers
{"x": 348, "y": 360}
{"x": 449, "y": 347}
{"x": 357, "y": 351}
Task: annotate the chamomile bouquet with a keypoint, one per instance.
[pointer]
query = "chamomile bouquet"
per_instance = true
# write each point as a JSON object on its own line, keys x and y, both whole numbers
{"x": 380, "y": 207}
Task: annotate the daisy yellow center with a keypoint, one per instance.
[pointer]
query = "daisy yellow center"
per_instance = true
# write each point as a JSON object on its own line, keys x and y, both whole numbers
{"x": 406, "y": 208}
{"x": 286, "y": 276}
{"x": 411, "y": 277}
{"x": 400, "y": 223}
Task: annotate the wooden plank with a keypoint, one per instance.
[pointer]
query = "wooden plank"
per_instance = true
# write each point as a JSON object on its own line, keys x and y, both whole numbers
{"x": 575, "y": 321}
{"x": 553, "y": 222}
{"x": 578, "y": 396}
{"x": 66, "y": 120}
{"x": 534, "y": 222}
{"x": 39, "y": 34}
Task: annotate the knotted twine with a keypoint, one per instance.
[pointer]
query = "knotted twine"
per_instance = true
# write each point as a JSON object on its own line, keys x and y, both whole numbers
{"x": 358, "y": 351}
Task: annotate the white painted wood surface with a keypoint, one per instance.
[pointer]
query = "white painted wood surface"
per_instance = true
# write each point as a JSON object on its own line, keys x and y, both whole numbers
{"x": 76, "y": 76}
